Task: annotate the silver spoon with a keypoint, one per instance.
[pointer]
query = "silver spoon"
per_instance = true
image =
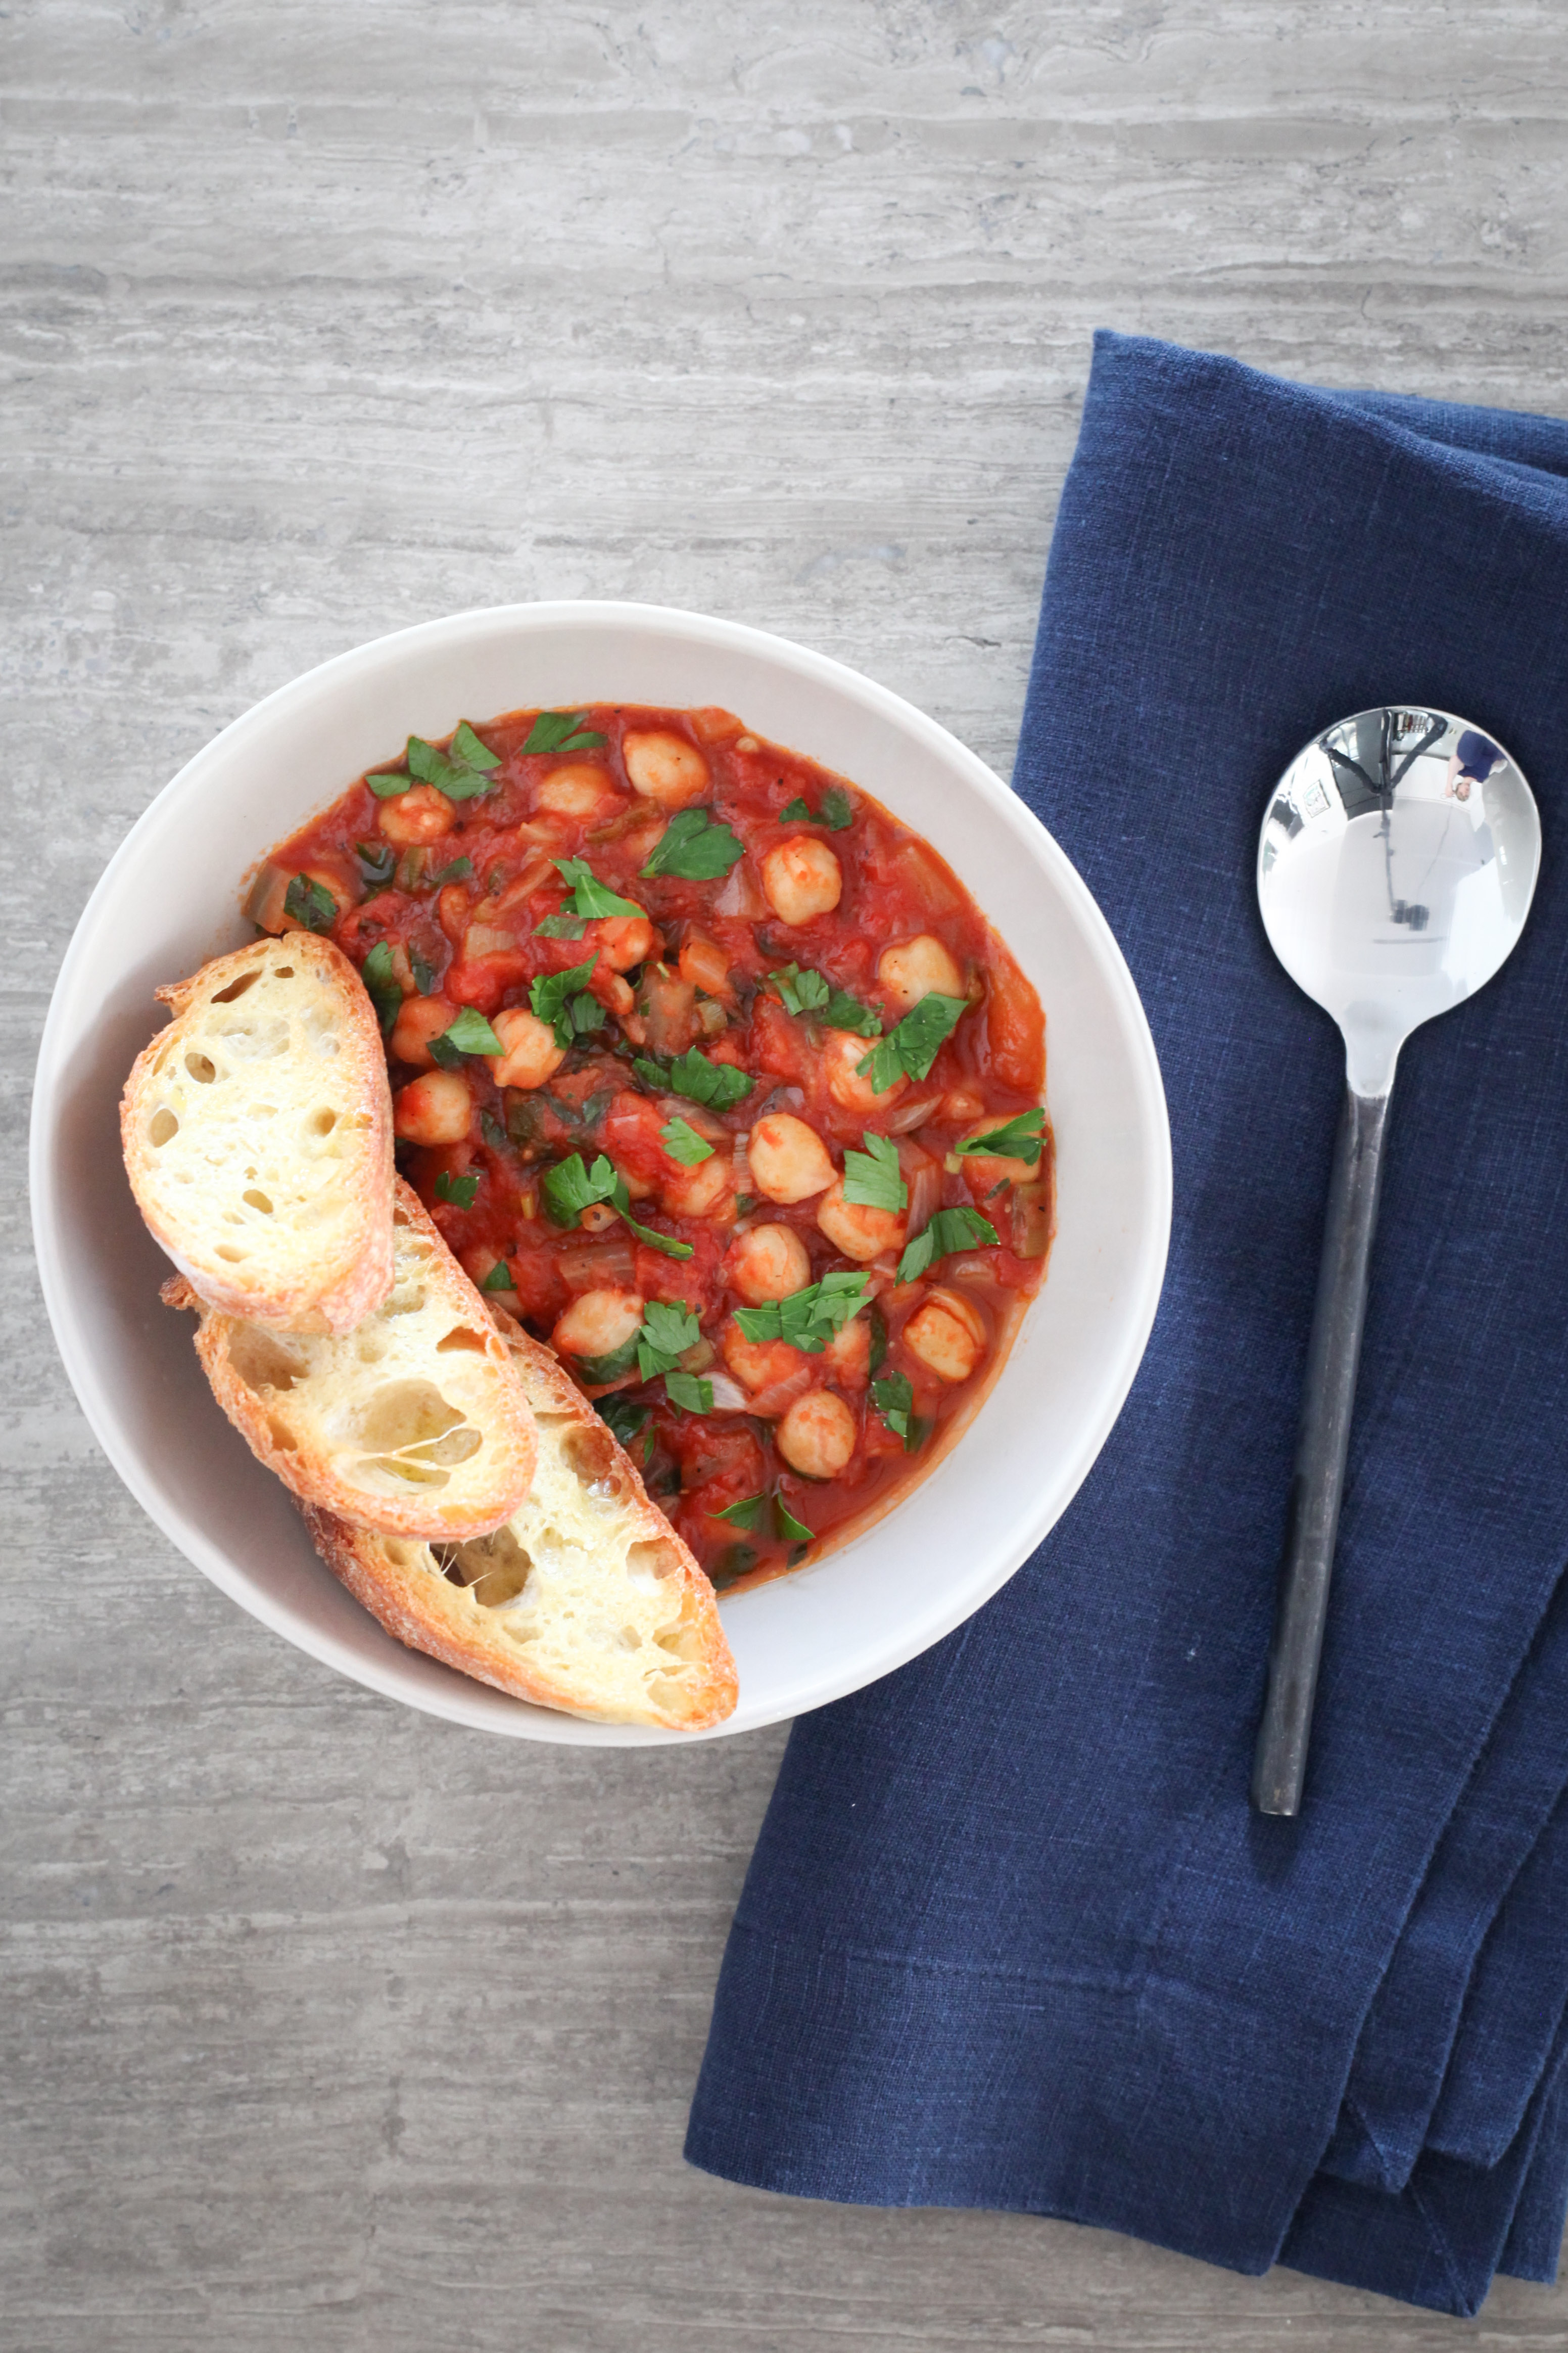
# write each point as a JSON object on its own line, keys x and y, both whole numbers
{"x": 1395, "y": 870}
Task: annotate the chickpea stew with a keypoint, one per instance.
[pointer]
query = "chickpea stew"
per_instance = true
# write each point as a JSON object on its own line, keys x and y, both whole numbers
{"x": 713, "y": 1073}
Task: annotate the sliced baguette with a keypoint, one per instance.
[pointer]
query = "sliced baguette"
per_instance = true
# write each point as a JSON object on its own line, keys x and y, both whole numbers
{"x": 587, "y": 1600}
{"x": 257, "y": 1138}
{"x": 415, "y": 1422}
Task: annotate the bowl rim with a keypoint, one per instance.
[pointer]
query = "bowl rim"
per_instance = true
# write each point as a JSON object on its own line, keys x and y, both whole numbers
{"x": 1008, "y": 1548}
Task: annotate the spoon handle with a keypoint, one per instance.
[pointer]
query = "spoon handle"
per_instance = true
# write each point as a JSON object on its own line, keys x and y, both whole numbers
{"x": 1328, "y": 1400}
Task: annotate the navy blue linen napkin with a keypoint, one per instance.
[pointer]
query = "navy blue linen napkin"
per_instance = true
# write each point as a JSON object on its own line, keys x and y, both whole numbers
{"x": 1012, "y": 1935}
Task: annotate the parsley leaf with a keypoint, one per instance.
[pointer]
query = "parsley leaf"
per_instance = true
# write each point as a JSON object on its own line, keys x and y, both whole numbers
{"x": 470, "y": 1033}
{"x": 683, "y": 1143}
{"x": 813, "y": 992}
{"x": 914, "y": 1046}
{"x": 550, "y": 994}
{"x": 456, "y": 872}
{"x": 1021, "y": 1139}
{"x": 387, "y": 783}
{"x": 808, "y": 1319}
{"x": 836, "y": 812}
{"x": 561, "y": 731}
{"x": 561, "y": 926}
{"x": 694, "y": 849}
{"x": 796, "y": 1530}
{"x": 310, "y": 903}
{"x": 950, "y": 1230}
{"x": 463, "y": 774}
{"x": 689, "y": 1392}
{"x": 458, "y": 1190}
{"x": 624, "y": 1419}
{"x": 749, "y": 1513}
{"x": 380, "y": 984}
{"x": 621, "y": 1200}
{"x": 499, "y": 1277}
{"x": 871, "y": 1177}
{"x": 590, "y": 896}
{"x": 596, "y": 1370}
{"x": 668, "y": 1329}
{"x": 569, "y": 1188}
{"x": 424, "y": 978}
{"x": 717, "y": 1085}
{"x": 378, "y": 863}
{"x": 895, "y": 1401}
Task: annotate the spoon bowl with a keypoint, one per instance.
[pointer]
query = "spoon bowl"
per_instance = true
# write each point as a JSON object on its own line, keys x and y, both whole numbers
{"x": 1395, "y": 869}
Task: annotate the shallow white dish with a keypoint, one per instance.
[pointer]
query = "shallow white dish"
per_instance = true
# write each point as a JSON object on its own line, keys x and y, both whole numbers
{"x": 170, "y": 898}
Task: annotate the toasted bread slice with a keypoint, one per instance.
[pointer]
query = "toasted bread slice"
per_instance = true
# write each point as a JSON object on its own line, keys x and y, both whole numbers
{"x": 587, "y": 1600}
{"x": 257, "y": 1138}
{"x": 415, "y": 1422}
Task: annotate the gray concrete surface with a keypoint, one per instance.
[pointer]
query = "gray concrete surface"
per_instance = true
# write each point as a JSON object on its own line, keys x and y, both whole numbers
{"x": 325, "y": 2026}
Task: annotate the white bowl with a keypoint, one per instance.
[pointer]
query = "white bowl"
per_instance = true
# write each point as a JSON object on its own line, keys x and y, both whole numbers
{"x": 170, "y": 898}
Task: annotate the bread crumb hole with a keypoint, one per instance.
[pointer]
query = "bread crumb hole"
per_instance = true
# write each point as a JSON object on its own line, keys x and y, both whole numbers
{"x": 236, "y": 988}
{"x": 202, "y": 1068}
{"x": 495, "y": 1569}
{"x": 257, "y": 1200}
{"x": 647, "y": 1564}
{"x": 282, "y": 1437}
{"x": 406, "y": 1299}
{"x": 462, "y": 1337}
{"x": 229, "y": 1255}
{"x": 165, "y": 1126}
{"x": 322, "y": 1122}
{"x": 262, "y": 1361}
{"x": 591, "y": 1453}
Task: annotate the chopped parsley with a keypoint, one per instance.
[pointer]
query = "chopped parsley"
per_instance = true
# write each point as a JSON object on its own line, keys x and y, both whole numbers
{"x": 380, "y": 984}
{"x": 424, "y": 978}
{"x": 895, "y": 1401}
{"x": 717, "y": 1085}
{"x": 668, "y": 1329}
{"x": 571, "y": 1187}
{"x": 597, "y": 1370}
{"x": 470, "y": 1033}
{"x": 493, "y": 1132}
{"x": 950, "y": 1230}
{"x": 591, "y": 897}
{"x": 561, "y": 731}
{"x": 872, "y": 1178}
{"x": 808, "y": 1319}
{"x": 1021, "y": 1139}
{"x": 683, "y": 1143}
{"x": 813, "y": 992}
{"x": 554, "y": 997}
{"x": 912, "y": 1048}
{"x": 560, "y": 926}
{"x": 689, "y": 1392}
{"x": 462, "y": 773}
{"x": 837, "y": 810}
{"x": 499, "y": 1277}
{"x": 458, "y": 1190}
{"x": 693, "y": 848}
{"x": 767, "y": 1515}
{"x": 310, "y": 903}
{"x": 747, "y": 1513}
{"x": 458, "y": 872}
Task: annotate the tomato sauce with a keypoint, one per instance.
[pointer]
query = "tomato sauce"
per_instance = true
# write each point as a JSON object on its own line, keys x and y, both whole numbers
{"x": 630, "y": 1120}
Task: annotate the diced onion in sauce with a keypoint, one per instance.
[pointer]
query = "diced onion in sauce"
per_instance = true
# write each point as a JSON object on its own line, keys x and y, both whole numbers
{"x": 729, "y": 1397}
{"x": 609, "y": 1263}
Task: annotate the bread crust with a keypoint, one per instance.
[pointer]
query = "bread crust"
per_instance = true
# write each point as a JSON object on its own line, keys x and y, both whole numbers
{"x": 679, "y": 1673}
{"x": 302, "y": 1271}
{"x": 424, "y": 1390}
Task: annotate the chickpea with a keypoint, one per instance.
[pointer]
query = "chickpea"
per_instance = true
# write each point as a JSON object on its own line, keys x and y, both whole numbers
{"x": 706, "y": 1191}
{"x": 422, "y": 1018}
{"x": 580, "y": 789}
{"x": 916, "y": 969}
{"x": 531, "y": 1054}
{"x": 417, "y": 815}
{"x": 665, "y": 768}
{"x": 435, "y": 1109}
{"x": 789, "y": 1161}
{"x": 982, "y": 1170}
{"x": 768, "y": 1262}
{"x": 816, "y": 1436}
{"x": 622, "y": 941}
{"x": 842, "y": 1055}
{"x": 613, "y": 993}
{"x": 597, "y": 1322}
{"x": 858, "y": 1231}
{"x": 849, "y": 1351}
{"x": 801, "y": 878}
{"x": 758, "y": 1364}
{"x": 947, "y": 1335}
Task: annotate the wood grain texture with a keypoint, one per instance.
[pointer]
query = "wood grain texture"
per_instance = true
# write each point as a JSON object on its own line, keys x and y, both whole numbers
{"x": 327, "y": 2026}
